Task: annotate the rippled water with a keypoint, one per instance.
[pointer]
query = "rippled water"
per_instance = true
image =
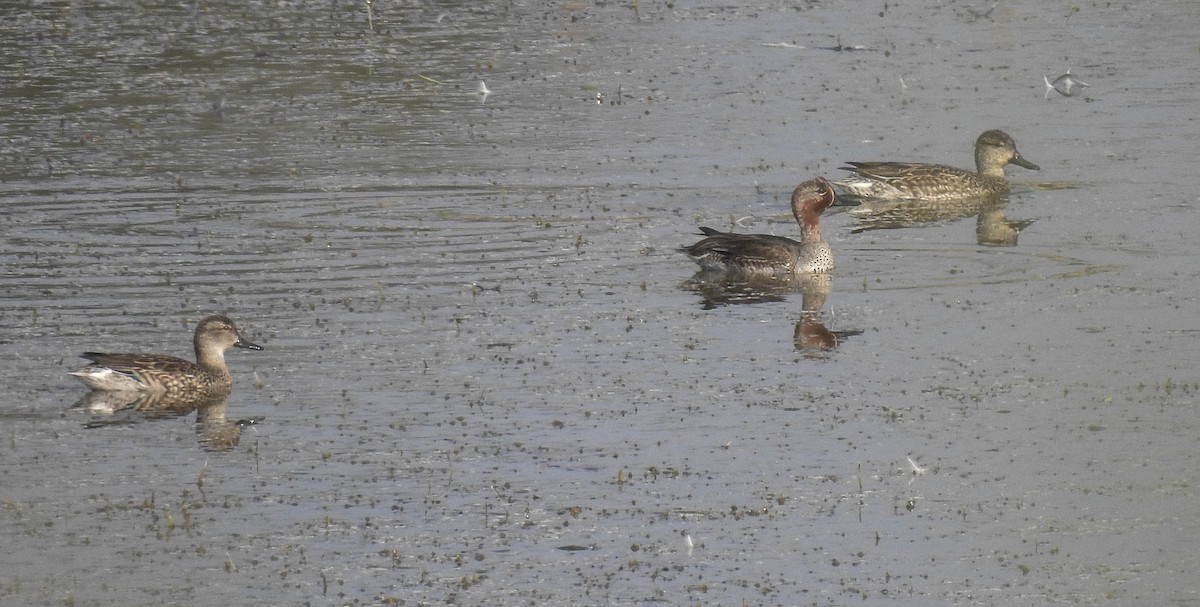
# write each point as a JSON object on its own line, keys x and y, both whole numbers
{"x": 489, "y": 378}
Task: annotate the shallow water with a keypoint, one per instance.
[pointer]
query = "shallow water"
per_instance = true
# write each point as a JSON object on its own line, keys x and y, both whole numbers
{"x": 489, "y": 379}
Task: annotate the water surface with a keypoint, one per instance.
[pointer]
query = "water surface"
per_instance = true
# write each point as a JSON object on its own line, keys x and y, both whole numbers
{"x": 489, "y": 378}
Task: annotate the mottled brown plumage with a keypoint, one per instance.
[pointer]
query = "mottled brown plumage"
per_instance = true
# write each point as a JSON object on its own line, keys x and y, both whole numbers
{"x": 938, "y": 182}
{"x": 764, "y": 254}
{"x": 159, "y": 373}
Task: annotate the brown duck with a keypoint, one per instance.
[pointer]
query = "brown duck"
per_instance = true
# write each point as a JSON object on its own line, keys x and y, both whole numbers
{"x": 158, "y": 373}
{"x": 767, "y": 255}
{"x": 994, "y": 150}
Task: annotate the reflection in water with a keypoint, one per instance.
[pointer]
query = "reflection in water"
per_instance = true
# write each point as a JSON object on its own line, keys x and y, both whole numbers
{"x": 214, "y": 430}
{"x": 810, "y": 335}
{"x": 718, "y": 289}
{"x": 813, "y": 338}
{"x": 722, "y": 288}
{"x": 992, "y": 227}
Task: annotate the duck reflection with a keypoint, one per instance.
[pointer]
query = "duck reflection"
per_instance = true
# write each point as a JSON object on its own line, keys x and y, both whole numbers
{"x": 718, "y": 289}
{"x": 214, "y": 430}
{"x": 721, "y": 289}
{"x": 811, "y": 336}
{"x": 992, "y": 228}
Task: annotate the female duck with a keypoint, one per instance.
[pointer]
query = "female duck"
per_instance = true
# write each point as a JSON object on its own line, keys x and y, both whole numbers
{"x": 937, "y": 182}
{"x": 157, "y": 373}
{"x": 766, "y": 255}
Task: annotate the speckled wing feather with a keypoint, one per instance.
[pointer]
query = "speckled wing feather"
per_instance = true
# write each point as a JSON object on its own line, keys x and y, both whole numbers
{"x": 147, "y": 371}
{"x": 749, "y": 252}
{"x": 909, "y": 180}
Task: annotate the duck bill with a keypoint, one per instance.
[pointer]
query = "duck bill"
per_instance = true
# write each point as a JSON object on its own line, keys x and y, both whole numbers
{"x": 1021, "y": 162}
{"x": 241, "y": 343}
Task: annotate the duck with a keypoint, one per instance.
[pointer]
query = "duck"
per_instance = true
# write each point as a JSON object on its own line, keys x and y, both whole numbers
{"x": 159, "y": 373}
{"x": 768, "y": 255}
{"x": 994, "y": 150}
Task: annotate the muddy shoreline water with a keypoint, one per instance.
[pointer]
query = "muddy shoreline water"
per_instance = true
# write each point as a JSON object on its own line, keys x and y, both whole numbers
{"x": 490, "y": 378}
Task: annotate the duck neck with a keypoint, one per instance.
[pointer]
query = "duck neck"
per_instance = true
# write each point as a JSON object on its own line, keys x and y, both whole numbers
{"x": 810, "y": 232}
{"x": 212, "y": 359}
{"x": 986, "y": 167}
{"x": 810, "y": 222}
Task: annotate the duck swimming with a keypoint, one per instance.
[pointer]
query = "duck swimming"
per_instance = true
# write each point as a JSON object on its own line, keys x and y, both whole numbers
{"x": 158, "y": 373}
{"x": 767, "y": 255}
{"x": 994, "y": 150}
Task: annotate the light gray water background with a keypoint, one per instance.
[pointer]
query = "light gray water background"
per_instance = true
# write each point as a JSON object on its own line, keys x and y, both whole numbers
{"x": 489, "y": 377}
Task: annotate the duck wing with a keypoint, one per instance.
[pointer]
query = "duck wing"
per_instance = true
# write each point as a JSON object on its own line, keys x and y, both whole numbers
{"x": 134, "y": 371}
{"x": 889, "y": 180}
{"x": 894, "y": 171}
{"x": 132, "y": 362}
{"x": 747, "y": 251}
